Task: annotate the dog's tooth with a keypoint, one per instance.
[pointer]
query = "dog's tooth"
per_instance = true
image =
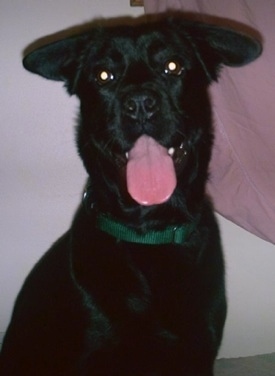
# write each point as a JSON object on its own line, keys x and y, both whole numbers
{"x": 127, "y": 155}
{"x": 171, "y": 151}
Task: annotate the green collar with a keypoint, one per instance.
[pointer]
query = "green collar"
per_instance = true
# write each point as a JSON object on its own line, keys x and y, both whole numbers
{"x": 172, "y": 234}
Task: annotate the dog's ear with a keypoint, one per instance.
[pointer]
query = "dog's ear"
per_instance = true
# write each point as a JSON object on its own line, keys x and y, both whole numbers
{"x": 215, "y": 46}
{"x": 59, "y": 61}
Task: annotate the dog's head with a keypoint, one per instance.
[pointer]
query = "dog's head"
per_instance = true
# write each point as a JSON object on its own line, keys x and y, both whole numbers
{"x": 145, "y": 126}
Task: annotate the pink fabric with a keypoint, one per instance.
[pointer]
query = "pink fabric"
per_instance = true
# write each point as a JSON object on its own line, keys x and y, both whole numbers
{"x": 242, "y": 169}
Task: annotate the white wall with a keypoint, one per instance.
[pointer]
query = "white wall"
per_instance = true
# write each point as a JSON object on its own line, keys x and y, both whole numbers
{"x": 41, "y": 177}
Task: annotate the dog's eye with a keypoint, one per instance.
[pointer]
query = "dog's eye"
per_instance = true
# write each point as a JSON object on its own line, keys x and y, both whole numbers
{"x": 104, "y": 76}
{"x": 173, "y": 67}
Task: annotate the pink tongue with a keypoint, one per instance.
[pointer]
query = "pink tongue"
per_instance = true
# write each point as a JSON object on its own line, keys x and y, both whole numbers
{"x": 151, "y": 177}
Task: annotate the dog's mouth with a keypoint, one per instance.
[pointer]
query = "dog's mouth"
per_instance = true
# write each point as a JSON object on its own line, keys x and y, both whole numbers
{"x": 152, "y": 169}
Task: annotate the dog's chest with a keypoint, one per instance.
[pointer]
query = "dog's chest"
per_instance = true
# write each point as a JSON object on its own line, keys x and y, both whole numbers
{"x": 143, "y": 285}
{"x": 144, "y": 310}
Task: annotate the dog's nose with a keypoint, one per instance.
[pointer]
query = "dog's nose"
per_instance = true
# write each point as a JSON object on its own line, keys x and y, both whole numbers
{"x": 141, "y": 106}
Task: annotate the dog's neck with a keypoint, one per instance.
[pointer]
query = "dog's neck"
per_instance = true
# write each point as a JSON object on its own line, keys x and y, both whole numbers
{"x": 172, "y": 234}
{"x": 169, "y": 235}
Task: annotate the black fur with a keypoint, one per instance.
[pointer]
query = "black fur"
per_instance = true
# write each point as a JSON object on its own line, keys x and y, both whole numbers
{"x": 97, "y": 305}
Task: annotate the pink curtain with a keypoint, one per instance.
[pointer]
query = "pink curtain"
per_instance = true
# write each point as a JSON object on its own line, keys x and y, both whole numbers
{"x": 242, "y": 180}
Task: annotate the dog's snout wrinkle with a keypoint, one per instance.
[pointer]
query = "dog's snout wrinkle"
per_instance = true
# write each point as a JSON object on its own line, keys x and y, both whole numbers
{"x": 141, "y": 106}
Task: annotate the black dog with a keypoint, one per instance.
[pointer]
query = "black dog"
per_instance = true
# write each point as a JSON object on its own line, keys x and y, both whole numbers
{"x": 136, "y": 286}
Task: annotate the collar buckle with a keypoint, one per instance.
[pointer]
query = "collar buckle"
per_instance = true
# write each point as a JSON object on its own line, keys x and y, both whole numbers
{"x": 178, "y": 237}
